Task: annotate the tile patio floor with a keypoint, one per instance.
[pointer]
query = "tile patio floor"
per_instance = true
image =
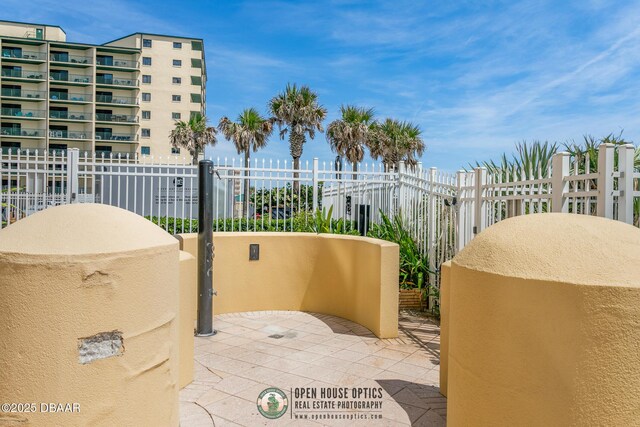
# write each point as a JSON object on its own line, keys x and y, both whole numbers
{"x": 315, "y": 350}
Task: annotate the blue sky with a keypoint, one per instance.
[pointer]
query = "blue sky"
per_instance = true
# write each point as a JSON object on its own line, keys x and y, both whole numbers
{"x": 476, "y": 76}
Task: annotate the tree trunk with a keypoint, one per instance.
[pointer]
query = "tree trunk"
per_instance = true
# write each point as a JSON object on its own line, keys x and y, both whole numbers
{"x": 296, "y": 141}
{"x": 195, "y": 157}
{"x": 245, "y": 197}
{"x": 354, "y": 168}
{"x": 296, "y": 167}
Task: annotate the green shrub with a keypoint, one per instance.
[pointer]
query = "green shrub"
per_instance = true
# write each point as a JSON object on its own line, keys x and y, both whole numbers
{"x": 413, "y": 264}
{"x": 306, "y": 222}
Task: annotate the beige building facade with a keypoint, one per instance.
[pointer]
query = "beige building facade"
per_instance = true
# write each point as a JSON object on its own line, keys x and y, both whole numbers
{"x": 119, "y": 98}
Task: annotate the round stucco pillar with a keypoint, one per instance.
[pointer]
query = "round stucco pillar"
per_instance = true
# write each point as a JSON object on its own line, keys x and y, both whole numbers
{"x": 88, "y": 318}
{"x": 545, "y": 324}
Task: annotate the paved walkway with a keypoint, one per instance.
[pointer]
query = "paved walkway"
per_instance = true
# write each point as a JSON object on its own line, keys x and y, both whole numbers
{"x": 307, "y": 351}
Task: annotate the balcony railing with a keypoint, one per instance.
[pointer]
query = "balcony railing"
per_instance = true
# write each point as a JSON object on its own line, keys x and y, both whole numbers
{"x": 25, "y": 54}
{"x": 69, "y": 115}
{"x": 108, "y": 154}
{"x": 21, "y": 93}
{"x": 38, "y": 133}
{"x": 64, "y": 134}
{"x": 101, "y": 80}
{"x": 14, "y": 151}
{"x": 64, "y": 96}
{"x": 73, "y": 78}
{"x": 123, "y": 63}
{"x": 34, "y": 75}
{"x": 120, "y": 100}
{"x": 19, "y": 112}
{"x": 120, "y": 118}
{"x": 71, "y": 59}
{"x": 118, "y": 137}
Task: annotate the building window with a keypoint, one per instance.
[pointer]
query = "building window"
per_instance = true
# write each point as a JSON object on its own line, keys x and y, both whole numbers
{"x": 146, "y": 133}
{"x": 196, "y": 97}
{"x": 104, "y": 149}
{"x": 175, "y": 150}
{"x": 176, "y": 98}
{"x": 196, "y": 45}
{"x": 196, "y": 80}
{"x": 146, "y": 43}
{"x": 176, "y": 80}
{"x": 146, "y": 79}
{"x": 146, "y": 60}
{"x": 196, "y": 63}
{"x": 177, "y": 63}
{"x": 176, "y": 116}
{"x": 146, "y": 115}
{"x": 177, "y": 45}
{"x": 146, "y": 97}
{"x": 145, "y": 151}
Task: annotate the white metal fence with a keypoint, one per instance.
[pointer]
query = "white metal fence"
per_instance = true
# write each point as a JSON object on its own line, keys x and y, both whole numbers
{"x": 612, "y": 191}
{"x": 442, "y": 211}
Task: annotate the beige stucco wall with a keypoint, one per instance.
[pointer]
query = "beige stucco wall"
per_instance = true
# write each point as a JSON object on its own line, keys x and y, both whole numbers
{"x": 74, "y": 271}
{"x": 445, "y": 279}
{"x": 543, "y": 324}
{"x": 352, "y": 277}
{"x": 188, "y": 294}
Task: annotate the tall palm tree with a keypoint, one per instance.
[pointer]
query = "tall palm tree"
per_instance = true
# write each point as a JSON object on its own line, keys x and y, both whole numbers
{"x": 193, "y": 135}
{"x": 296, "y": 111}
{"x": 395, "y": 141}
{"x": 349, "y": 135}
{"x": 249, "y": 133}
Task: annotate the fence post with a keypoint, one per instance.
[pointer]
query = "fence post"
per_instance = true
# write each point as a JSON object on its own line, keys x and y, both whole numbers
{"x": 402, "y": 169}
{"x": 73, "y": 155}
{"x": 479, "y": 217}
{"x": 626, "y": 155}
{"x": 606, "y": 153}
{"x": 314, "y": 198}
{"x": 460, "y": 210}
{"x": 560, "y": 164}
{"x": 433, "y": 220}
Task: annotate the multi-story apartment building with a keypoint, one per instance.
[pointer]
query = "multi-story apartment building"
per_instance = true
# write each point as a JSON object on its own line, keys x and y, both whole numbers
{"x": 122, "y": 97}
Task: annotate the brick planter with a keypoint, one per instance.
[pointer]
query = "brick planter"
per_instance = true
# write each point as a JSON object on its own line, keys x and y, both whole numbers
{"x": 410, "y": 299}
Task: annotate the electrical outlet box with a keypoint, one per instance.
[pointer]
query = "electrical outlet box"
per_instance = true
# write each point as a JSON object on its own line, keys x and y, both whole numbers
{"x": 254, "y": 252}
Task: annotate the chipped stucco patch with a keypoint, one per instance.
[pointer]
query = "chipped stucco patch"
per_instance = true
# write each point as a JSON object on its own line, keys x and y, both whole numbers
{"x": 100, "y": 346}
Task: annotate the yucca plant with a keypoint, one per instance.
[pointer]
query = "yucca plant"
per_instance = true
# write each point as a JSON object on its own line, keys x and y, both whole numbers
{"x": 529, "y": 162}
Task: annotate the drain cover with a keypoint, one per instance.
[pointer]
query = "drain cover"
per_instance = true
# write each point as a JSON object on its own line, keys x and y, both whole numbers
{"x": 276, "y": 336}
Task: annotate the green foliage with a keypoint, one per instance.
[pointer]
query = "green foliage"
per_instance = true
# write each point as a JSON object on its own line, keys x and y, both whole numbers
{"x": 193, "y": 135}
{"x": 529, "y": 162}
{"x": 322, "y": 223}
{"x": 534, "y": 160}
{"x": 394, "y": 141}
{"x": 285, "y": 196}
{"x": 304, "y": 222}
{"x": 413, "y": 264}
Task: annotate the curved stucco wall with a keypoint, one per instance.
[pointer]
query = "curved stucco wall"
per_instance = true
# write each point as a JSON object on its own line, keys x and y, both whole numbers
{"x": 77, "y": 271}
{"x": 347, "y": 276}
{"x": 543, "y": 324}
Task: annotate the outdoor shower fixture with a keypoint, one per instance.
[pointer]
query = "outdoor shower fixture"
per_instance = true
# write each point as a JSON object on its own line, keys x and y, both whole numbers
{"x": 205, "y": 249}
